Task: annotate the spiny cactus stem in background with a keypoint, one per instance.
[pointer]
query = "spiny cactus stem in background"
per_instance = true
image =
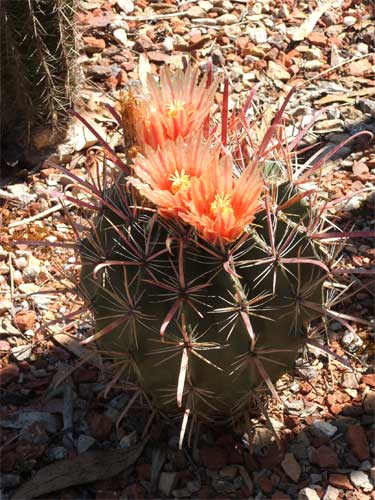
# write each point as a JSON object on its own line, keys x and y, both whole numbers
{"x": 38, "y": 77}
{"x": 205, "y": 267}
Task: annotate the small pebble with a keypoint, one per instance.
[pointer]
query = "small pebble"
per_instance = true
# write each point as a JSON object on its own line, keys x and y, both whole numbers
{"x": 308, "y": 494}
{"x": 84, "y": 443}
{"x": 10, "y": 480}
{"x": 361, "y": 480}
{"x": 321, "y": 428}
{"x": 349, "y": 20}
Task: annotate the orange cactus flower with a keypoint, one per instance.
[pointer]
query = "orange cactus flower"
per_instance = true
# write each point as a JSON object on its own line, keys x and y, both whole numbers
{"x": 220, "y": 206}
{"x": 164, "y": 176}
{"x": 176, "y": 106}
{"x": 188, "y": 180}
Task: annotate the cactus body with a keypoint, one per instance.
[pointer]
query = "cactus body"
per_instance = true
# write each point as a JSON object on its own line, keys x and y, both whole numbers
{"x": 207, "y": 305}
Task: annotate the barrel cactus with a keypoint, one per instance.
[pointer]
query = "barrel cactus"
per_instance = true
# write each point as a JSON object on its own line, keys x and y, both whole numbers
{"x": 205, "y": 263}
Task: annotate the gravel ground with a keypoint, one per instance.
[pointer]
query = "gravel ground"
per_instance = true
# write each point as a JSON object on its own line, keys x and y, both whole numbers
{"x": 60, "y": 437}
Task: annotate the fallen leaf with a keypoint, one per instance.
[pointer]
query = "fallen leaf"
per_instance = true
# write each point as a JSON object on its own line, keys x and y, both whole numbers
{"x": 348, "y": 97}
{"x": 144, "y": 68}
{"x": 71, "y": 344}
{"x": 307, "y": 27}
{"x": 86, "y": 468}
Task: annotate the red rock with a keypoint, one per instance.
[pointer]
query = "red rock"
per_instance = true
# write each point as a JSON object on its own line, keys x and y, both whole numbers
{"x": 360, "y": 168}
{"x": 25, "y": 320}
{"x": 48, "y": 172}
{"x": 83, "y": 375}
{"x": 305, "y": 388}
{"x": 158, "y": 57}
{"x": 4, "y": 346}
{"x": 100, "y": 425}
{"x": 8, "y": 373}
{"x": 336, "y": 409}
{"x": 196, "y": 38}
{"x": 214, "y": 457}
{"x": 8, "y": 461}
{"x": 369, "y": 379}
{"x": 359, "y": 68}
{"x": 291, "y": 421}
{"x": 122, "y": 78}
{"x": 325, "y": 457}
{"x": 143, "y": 472}
{"x": 98, "y": 18}
{"x": 111, "y": 83}
{"x": 265, "y": 484}
{"x": 272, "y": 458}
{"x": 242, "y": 42}
{"x": 369, "y": 403}
{"x": 317, "y": 38}
{"x": 142, "y": 44}
{"x": 93, "y": 44}
{"x": 340, "y": 481}
{"x": 356, "y": 438}
{"x": 29, "y": 450}
{"x": 335, "y": 40}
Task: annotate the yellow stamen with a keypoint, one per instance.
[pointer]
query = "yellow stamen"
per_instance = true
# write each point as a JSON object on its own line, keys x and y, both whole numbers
{"x": 180, "y": 181}
{"x": 175, "y": 107}
{"x": 222, "y": 204}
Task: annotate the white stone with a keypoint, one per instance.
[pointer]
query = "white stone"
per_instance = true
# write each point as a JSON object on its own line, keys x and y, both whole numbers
{"x": 277, "y": 72}
{"x": 22, "y": 352}
{"x": 28, "y": 288}
{"x": 5, "y": 305}
{"x": 362, "y": 48}
{"x": 312, "y": 65}
{"x": 349, "y": 380}
{"x": 308, "y": 494}
{"x": 361, "y": 480}
{"x": 128, "y": 440}
{"x": 195, "y": 12}
{"x": 258, "y": 35}
{"x": 349, "y": 20}
{"x": 322, "y": 428}
{"x": 120, "y": 35}
{"x": 4, "y": 269}
{"x": 331, "y": 493}
{"x": 21, "y": 193}
{"x": 32, "y": 270}
{"x": 354, "y": 203}
{"x": 126, "y": 6}
{"x": 168, "y": 44}
{"x": 227, "y": 19}
{"x": 205, "y": 5}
